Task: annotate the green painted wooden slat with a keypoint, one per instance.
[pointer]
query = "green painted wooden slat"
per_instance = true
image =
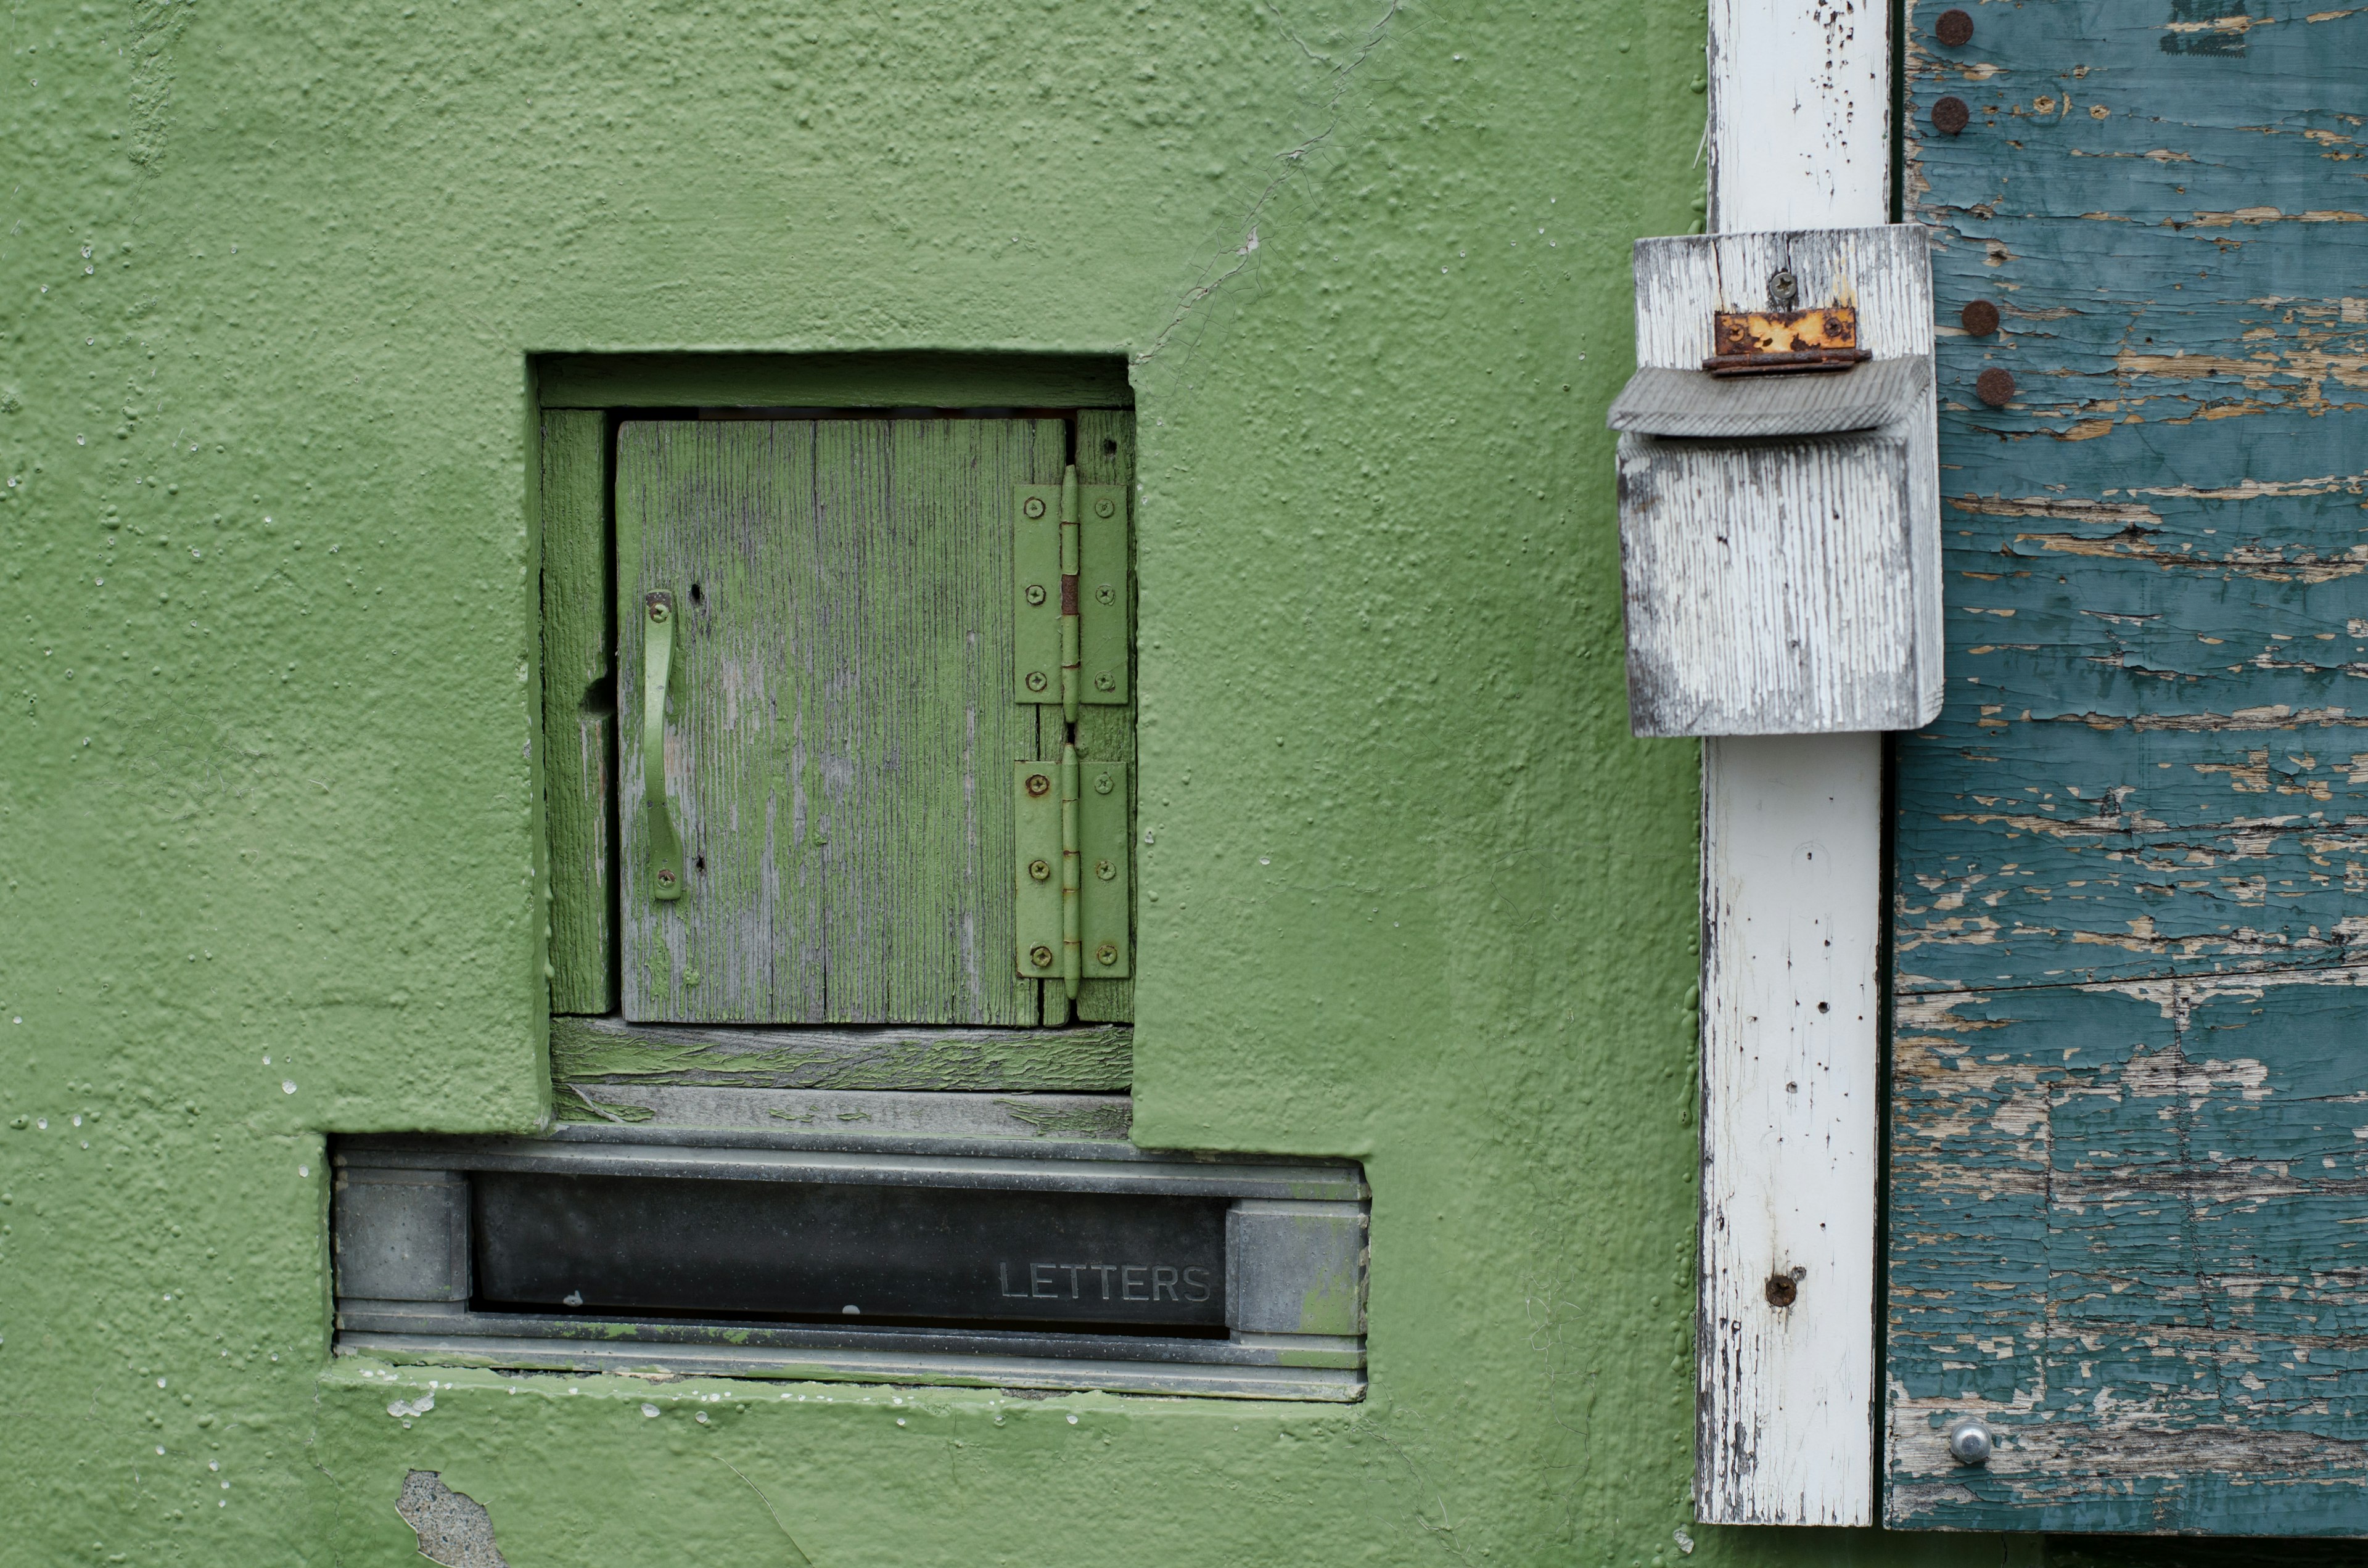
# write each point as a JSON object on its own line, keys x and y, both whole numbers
{"x": 833, "y": 381}
{"x": 1079, "y": 1060}
{"x": 1105, "y": 455}
{"x": 2127, "y": 1171}
{"x": 842, "y": 729}
{"x": 578, "y": 709}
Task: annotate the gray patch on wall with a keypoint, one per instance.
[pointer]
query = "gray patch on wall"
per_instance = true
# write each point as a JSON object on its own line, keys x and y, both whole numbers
{"x": 453, "y": 1529}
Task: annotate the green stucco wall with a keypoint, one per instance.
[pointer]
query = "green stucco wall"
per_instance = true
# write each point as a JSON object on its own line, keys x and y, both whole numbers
{"x": 270, "y": 279}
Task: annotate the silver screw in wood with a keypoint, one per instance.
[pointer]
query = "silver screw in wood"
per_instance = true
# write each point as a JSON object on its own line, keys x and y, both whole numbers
{"x": 1970, "y": 1442}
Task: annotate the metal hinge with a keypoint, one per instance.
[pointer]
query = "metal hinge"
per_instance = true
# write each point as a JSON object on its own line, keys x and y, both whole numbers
{"x": 1072, "y": 840}
{"x": 1070, "y": 609}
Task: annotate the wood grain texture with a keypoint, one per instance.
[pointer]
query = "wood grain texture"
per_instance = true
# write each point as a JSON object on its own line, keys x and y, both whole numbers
{"x": 1800, "y": 116}
{"x": 2127, "y": 1165}
{"x": 842, "y": 725}
{"x": 1080, "y": 1060}
{"x": 1105, "y": 733}
{"x": 1785, "y": 1398}
{"x": 579, "y": 710}
{"x": 1784, "y": 586}
{"x": 859, "y": 379}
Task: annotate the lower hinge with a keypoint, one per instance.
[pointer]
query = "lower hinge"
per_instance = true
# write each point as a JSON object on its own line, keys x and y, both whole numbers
{"x": 1072, "y": 842}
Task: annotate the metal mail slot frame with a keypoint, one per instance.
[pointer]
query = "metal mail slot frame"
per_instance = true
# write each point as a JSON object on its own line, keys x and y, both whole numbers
{"x": 1295, "y": 1255}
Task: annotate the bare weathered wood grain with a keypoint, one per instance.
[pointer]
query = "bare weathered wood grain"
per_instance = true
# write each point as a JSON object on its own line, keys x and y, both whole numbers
{"x": 2130, "y": 1163}
{"x": 1792, "y": 585}
{"x": 842, "y": 718}
{"x": 578, "y": 709}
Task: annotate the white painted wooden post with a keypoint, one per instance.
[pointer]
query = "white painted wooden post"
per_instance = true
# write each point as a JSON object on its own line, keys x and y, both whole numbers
{"x": 1800, "y": 138}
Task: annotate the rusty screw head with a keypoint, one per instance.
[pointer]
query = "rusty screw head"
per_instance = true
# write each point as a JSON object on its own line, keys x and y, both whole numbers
{"x": 1104, "y": 869}
{"x": 1980, "y": 317}
{"x": 1040, "y": 869}
{"x": 1954, "y": 30}
{"x": 1105, "y": 507}
{"x": 1036, "y": 681}
{"x": 1950, "y": 116}
{"x": 1039, "y": 785}
{"x": 1035, "y": 594}
{"x": 1033, "y": 505}
{"x": 1782, "y": 1289}
{"x": 1106, "y": 954}
{"x": 1040, "y": 956}
{"x": 665, "y": 877}
{"x": 658, "y": 607}
{"x": 1783, "y": 290}
{"x": 1994, "y": 387}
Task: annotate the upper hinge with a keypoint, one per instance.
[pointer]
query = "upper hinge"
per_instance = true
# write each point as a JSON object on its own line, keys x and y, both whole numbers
{"x": 1071, "y": 612}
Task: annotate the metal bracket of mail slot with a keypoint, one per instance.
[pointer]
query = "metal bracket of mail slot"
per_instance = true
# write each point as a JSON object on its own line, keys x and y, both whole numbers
{"x": 1062, "y": 1267}
{"x": 1779, "y": 485}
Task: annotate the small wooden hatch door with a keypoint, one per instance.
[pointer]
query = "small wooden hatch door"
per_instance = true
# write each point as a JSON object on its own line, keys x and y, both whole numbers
{"x": 824, "y": 607}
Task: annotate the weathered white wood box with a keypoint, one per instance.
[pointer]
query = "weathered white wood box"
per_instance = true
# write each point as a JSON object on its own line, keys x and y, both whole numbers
{"x": 1780, "y": 535}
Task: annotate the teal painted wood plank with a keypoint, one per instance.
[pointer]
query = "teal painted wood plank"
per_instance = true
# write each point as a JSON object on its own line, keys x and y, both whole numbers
{"x": 841, "y": 717}
{"x": 2126, "y": 1188}
{"x": 579, "y": 710}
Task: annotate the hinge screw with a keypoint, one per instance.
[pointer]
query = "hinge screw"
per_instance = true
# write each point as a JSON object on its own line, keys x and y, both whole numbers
{"x": 1035, "y": 592}
{"x": 1102, "y": 780}
{"x": 665, "y": 876}
{"x": 658, "y": 611}
{"x": 1104, "y": 869}
{"x": 1037, "y": 784}
{"x": 1105, "y": 594}
{"x": 1036, "y": 681}
{"x": 1033, "y": 506}
{"x": 1970, "y": 1442}
{"x": 1105, "y": 683}
{"x": 1040, "y": 869}
{"x": 1040, "y": 956}
{"x": 1105, "y": 507}
{"x": 1107, "y": 953}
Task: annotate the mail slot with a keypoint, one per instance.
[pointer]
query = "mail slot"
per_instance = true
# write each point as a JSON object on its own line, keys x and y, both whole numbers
{"x": 1059, "y": 1264}
{"x": 831, "y": 1251}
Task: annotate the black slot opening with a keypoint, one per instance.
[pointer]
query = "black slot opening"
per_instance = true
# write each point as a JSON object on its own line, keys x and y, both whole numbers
{"x": 901, "y": 1257}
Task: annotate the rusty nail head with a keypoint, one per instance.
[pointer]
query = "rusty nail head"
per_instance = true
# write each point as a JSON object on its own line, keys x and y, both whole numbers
{"x": 1040, "y": 956}
{"x": 1035, "y": 592}
{"x": 1105, "y": 507}
{"x": 1107, "y": 953}
{"x": 1994, "y": 387}
{"x": 1950, "y": 116}
{"x": 1037, "y": 784}
{"x": 1980, "y": 317}
{"x": 1782, "y": 1289}
{"x": 1036, "y": 681}
{"x": 1040, "y": 869}
{"x": 1954, "y": 29}
{"x": 1104, "y": 869}
{"x": 1033, "y": 505}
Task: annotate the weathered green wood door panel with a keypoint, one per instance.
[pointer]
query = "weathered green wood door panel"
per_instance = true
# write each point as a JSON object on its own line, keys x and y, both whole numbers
{"x": 2130, "y": 1035}
{"x": 841, "y": 725}
{"x": 578, "y": 708}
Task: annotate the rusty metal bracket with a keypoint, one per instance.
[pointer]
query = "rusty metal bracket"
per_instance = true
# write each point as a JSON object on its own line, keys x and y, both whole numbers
{"x": 1783, "y": 338}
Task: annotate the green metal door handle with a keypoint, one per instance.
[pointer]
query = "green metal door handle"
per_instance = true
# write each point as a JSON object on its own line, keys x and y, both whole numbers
{"x": 657, "y": 663}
